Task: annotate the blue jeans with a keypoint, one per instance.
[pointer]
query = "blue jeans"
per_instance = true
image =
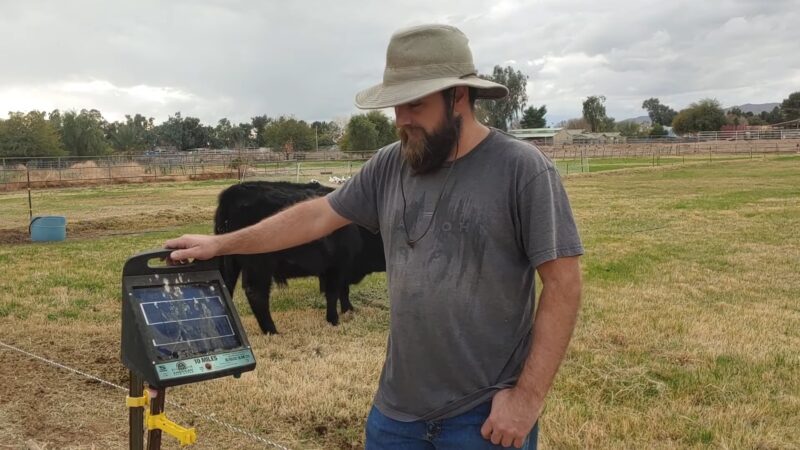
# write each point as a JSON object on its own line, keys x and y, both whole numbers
{"x": 461, "y": 432}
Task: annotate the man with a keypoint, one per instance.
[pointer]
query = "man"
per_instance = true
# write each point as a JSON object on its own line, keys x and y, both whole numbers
{"x": 466, "y": 214}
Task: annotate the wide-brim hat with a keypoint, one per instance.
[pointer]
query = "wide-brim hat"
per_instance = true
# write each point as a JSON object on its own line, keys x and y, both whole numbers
{"x": 426, "y": 59}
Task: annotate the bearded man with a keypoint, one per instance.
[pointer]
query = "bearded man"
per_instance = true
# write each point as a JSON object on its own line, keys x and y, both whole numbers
{"x": 467, "y": 214}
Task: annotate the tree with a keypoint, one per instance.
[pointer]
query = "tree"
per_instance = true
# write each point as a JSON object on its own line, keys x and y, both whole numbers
{"x": 327, "y": 133}
{"x": 289, "y": 134}
{"x": 736, "y": 111}
{"x": 247, "y": 134}
{"x": 184, "y": 133}
{"x": 774, "y": 116}
{"x": 608, "y": 124}
{"x": 502, "y": 112}
{"x": 135, "y": 134}
{"x": 361, "y": 134}
{"x": 736, "y": 117}
{"x": 56, "y": 121}
{"x": 259, "y": 124}
{"x": 574, "y": 124}
{"x": 29, "y": 135}
{"x": 387, "y": 133}
{"x": 594, "y": 111}
{"x": 224, "y": 136}
{"x": 83, "y": 133}
{"x": 170, "y": 132}
{"x": 366, "y": 132}
{"x": 657, "y": 130}
{"x": 790, "y": 107}
{"x": 753, "y": 119}
{"x": 629, "y": 128}
{"x": 659, "y": 114}
{"x": 534, "y": 117}
{"x": 705, "y": 115}
{"x": 195, "y": 134}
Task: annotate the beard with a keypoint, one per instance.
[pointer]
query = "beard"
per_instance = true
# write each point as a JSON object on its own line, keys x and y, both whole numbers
{"x": 426, "y": 152}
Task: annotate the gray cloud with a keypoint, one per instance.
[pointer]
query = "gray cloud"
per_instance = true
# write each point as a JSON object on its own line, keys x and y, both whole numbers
{"x": 309, "y": 58}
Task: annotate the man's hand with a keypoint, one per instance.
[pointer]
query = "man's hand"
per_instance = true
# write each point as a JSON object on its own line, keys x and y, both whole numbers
{"x": 513, "y": 415}
{"x": 193, "y": 246}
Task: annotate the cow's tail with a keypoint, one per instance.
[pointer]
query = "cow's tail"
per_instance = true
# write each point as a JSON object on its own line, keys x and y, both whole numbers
{"x": 230, "y": 267}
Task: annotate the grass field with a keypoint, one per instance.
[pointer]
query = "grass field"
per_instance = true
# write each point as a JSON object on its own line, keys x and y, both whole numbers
{"x": 689, "y": 335}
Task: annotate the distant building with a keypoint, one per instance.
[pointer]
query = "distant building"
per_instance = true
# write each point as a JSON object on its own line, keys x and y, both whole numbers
{"x": 788, "y": 125}
{"x": 540, "y": 136}
{"x": 567, "y": 137}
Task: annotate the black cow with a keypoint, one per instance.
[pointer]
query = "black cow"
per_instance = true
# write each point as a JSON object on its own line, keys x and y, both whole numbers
{"x": 340, "y": 259}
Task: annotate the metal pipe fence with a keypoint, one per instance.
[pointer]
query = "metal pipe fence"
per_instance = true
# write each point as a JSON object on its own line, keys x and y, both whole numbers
{"x": 645, "y": 150}
{"x": 731, "y": 135}
{"x": 15, "y": 173}
{"x": 19, "y": 173}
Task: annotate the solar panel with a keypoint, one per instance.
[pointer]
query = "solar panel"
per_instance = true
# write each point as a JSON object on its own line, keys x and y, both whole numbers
{"x": 186, "y": 318}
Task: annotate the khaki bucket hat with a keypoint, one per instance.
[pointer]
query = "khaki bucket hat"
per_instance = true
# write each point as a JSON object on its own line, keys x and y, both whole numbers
{"x": 422, "y": 60}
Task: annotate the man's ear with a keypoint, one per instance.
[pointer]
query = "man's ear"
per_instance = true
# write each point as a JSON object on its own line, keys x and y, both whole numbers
{"x": 462, "y": 94}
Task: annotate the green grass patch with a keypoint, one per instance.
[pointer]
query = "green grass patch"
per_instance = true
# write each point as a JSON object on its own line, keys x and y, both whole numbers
{"x": 737, "y": 198}
{"x": 13, "y": 309}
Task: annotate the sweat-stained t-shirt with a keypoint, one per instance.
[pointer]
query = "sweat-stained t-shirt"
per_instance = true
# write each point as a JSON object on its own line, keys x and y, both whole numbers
{"x": 461, "y": 299}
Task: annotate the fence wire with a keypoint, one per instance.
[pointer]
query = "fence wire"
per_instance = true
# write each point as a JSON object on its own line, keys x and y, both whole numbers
{"x": 206, "y": 417}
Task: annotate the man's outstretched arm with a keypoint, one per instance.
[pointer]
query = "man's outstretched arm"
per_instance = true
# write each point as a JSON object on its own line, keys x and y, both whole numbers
{"x": 303, "y": 222}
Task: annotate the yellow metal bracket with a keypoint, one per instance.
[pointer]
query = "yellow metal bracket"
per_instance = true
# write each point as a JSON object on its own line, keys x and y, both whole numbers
{"x": 136, "y": 402}
{"x": 185, "y": 436}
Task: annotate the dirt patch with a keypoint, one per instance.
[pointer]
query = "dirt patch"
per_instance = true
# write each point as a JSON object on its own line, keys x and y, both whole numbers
{"x": 110, "y": 226}
{"x": 42, "y": 423}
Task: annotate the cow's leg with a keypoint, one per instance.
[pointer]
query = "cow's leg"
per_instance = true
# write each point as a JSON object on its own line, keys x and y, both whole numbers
{"x": 345, "y": 299}
{"x": 257, "y": 282}
{"x": 331, "y": 297}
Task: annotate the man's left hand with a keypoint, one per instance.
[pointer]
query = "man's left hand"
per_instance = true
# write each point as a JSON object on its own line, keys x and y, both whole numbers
{"x": 513, "y": 415}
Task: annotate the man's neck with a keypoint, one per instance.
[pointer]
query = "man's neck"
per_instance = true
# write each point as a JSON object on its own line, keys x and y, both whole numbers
{"x": 472, "y": 133}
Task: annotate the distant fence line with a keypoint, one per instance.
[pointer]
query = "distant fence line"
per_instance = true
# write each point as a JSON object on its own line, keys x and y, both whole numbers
{"x": 731, "y": 135}
{"x": 703, "y": 136}
{"x": 17, "y": 173}
{"x": 629, "y": 150}
{"x": 746, "y": 135}
{"x": 194, "y": 157}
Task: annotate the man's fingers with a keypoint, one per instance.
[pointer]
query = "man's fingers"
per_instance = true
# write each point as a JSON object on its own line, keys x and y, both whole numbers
{"x": 496, "y": 437}
{"x": 183, "y": 248}
{"x": 181, "y": 255}
{"x": 506, "y": 441}
{"x": 175, "y": 243}
{"x": 486, "y": 429}
{"x": 518, "y": 442}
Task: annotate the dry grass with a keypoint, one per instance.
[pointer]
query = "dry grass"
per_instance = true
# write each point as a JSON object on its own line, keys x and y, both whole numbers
{"x": 688, "y": 336}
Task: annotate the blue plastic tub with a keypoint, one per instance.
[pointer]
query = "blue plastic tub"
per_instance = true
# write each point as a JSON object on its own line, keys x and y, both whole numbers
{"x": 48, "y": 228}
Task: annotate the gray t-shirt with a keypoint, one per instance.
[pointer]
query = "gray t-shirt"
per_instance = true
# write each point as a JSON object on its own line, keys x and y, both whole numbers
{"x": 461, "y": 298}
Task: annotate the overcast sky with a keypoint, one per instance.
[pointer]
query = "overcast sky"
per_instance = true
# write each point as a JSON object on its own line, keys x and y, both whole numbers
{"x": 237, "y": 59}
